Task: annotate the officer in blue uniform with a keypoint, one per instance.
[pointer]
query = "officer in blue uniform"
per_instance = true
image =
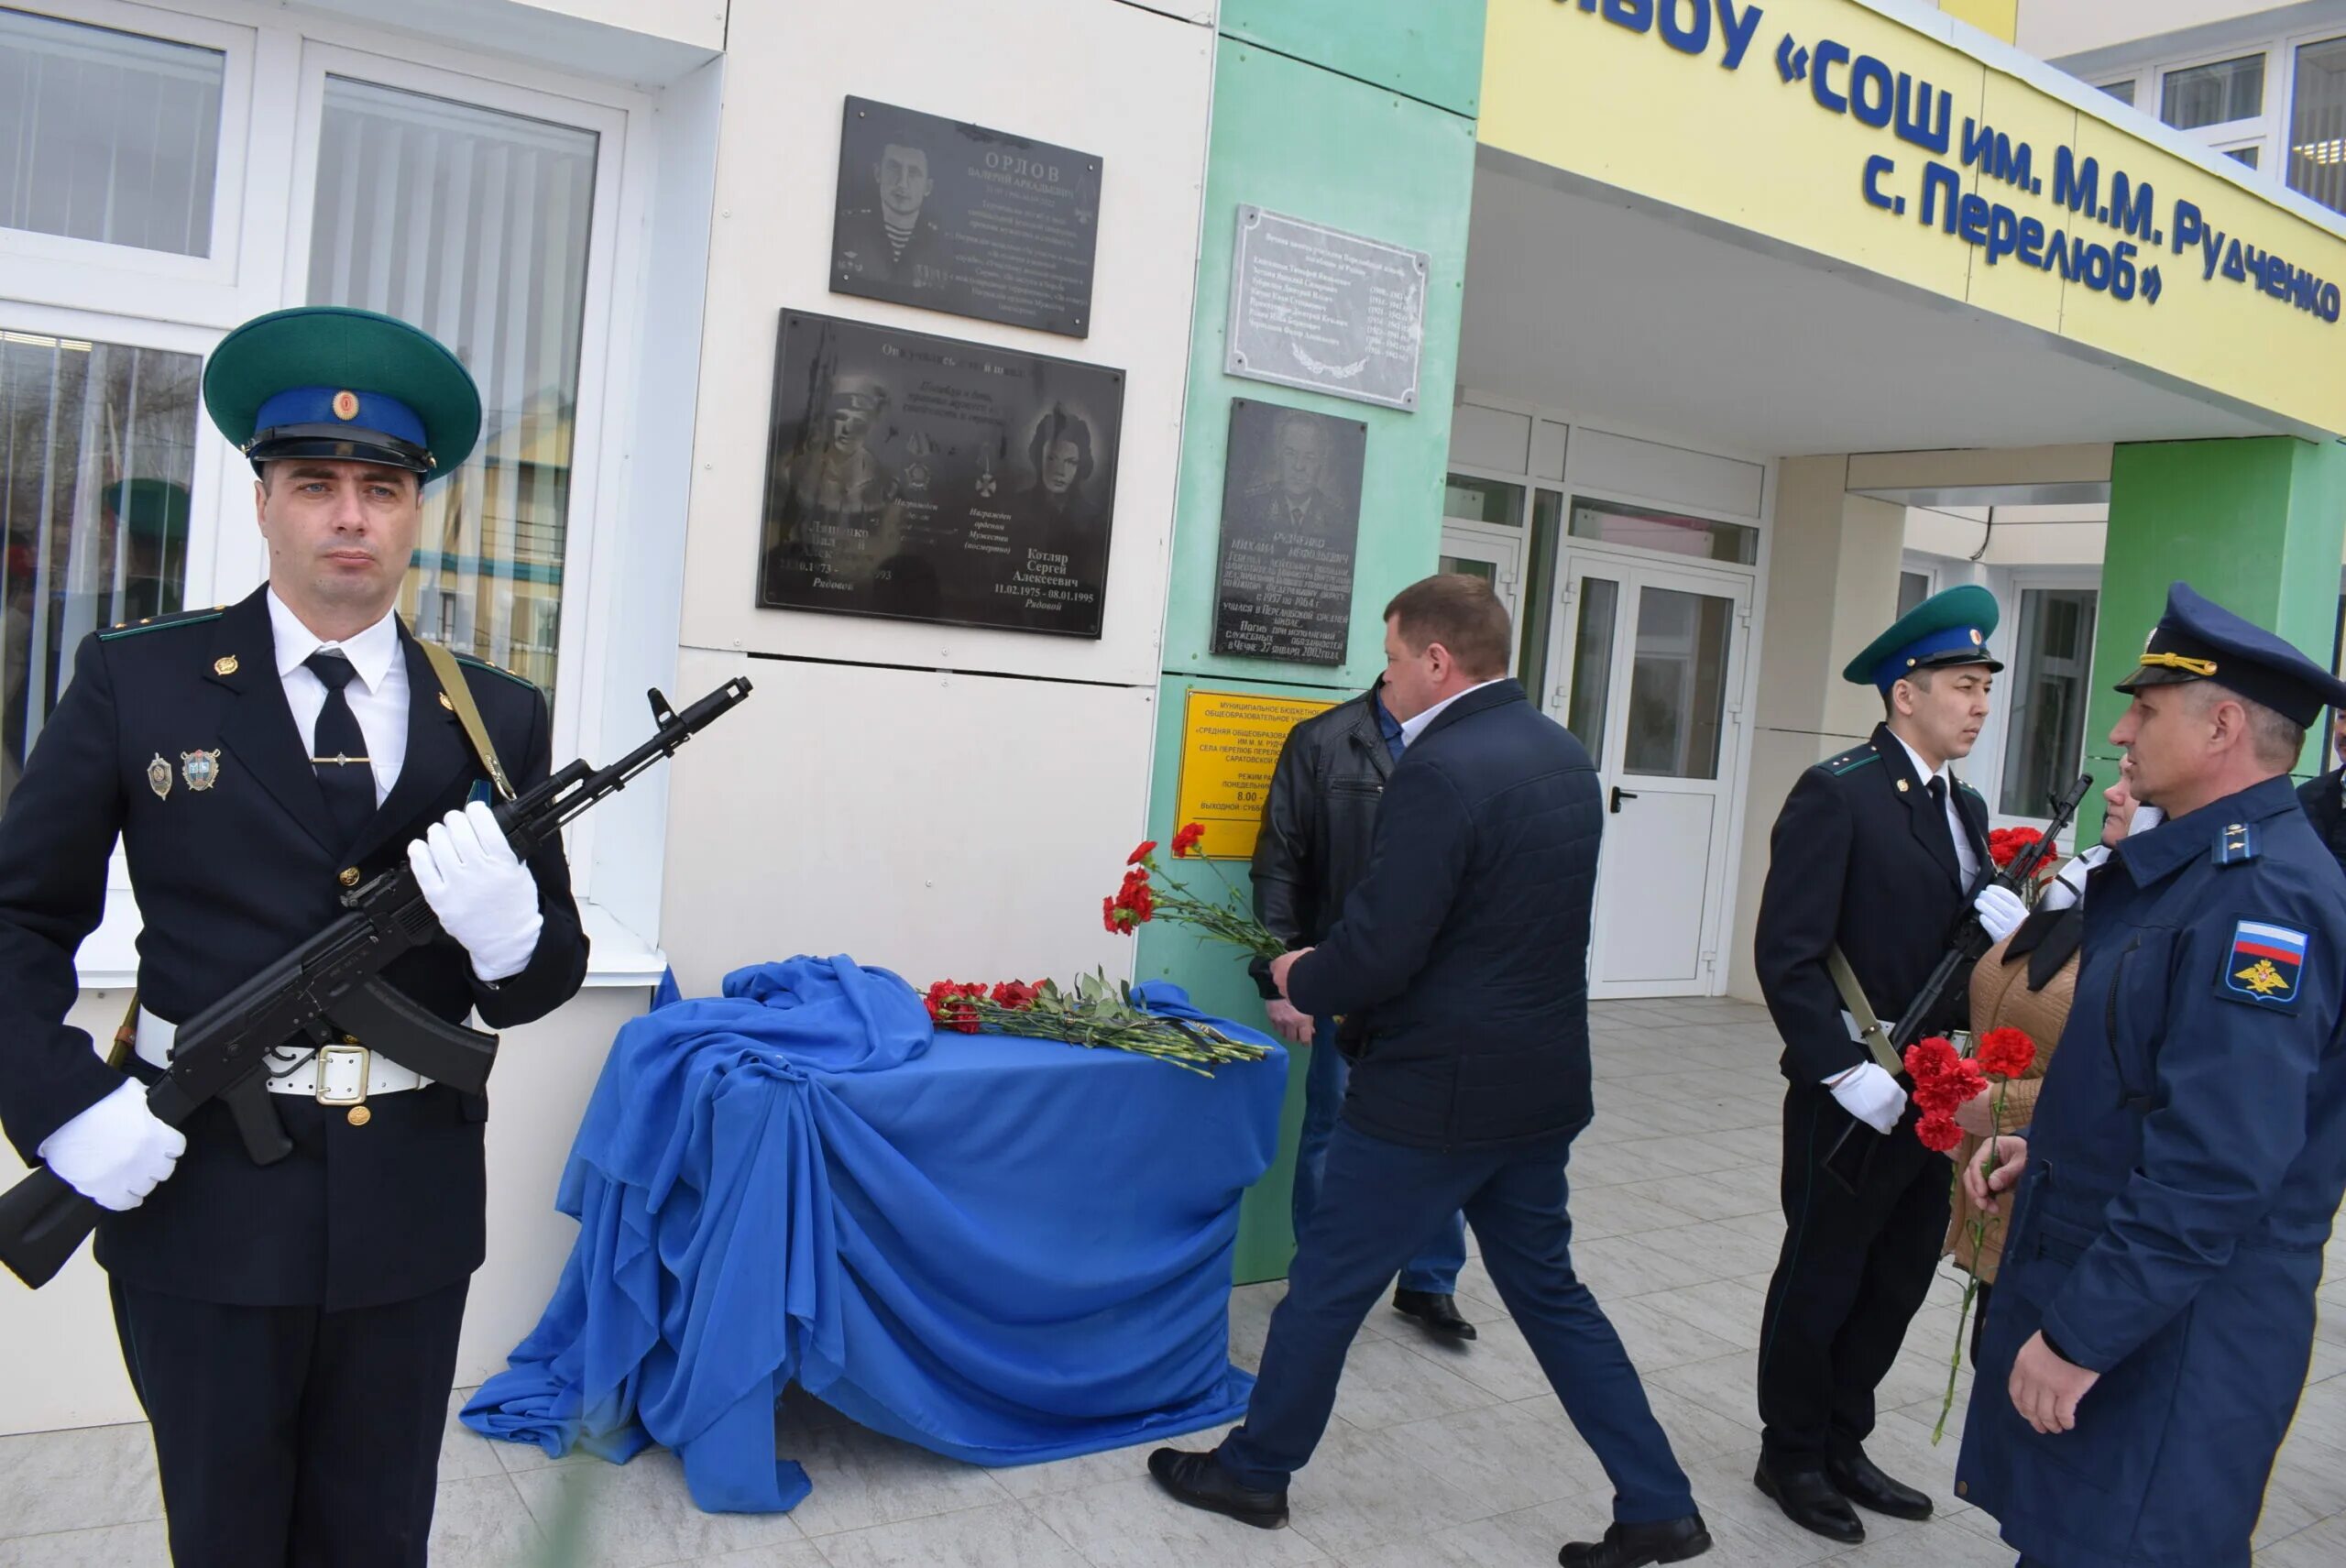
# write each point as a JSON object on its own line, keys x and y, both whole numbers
{"x": 289, "y": 1327}
{"x": 2155, "y": 1316}
{"x": 1878, "y": 851}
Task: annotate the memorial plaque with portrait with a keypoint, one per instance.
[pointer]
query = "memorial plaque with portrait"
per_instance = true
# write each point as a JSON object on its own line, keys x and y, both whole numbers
{"x": 960, "y": 218}
{"x": 1291, "y": 521}
{"x": 921, "y": 478}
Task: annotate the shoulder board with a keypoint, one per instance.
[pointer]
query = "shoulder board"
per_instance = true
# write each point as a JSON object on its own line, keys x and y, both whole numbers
{"x": 1966, "y": 787}
{"x": 482, "y": 664}
{"x": 2236, "y": 845}
{"x": 161, "y": 623}
{"x": 1850, "y": 760}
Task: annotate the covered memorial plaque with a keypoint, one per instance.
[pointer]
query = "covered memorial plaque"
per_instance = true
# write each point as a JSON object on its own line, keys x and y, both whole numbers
{"x": 1312, "y": 306}
{"x": 960, "y": 218}
{"x": 1290, "y": 518}
{"x": 922, "y": 479}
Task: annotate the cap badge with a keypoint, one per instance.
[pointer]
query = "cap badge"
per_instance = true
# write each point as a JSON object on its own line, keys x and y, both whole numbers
{"x": 1978, "y": 641}
{"x": 345, "y": 405}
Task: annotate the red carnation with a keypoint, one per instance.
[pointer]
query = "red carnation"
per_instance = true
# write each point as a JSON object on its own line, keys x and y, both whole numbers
{"x": 2005, "y": 844}
{"x": 2005, "y": 1053}
{"x": 1187, "y": 839}
{"x": 1014, "y": 994}
{"x": 1115, "y": 919}
{"x": 1930, "y": 1058}
{"x": 1137, "y": 856}
{"x": 1939, "y": 1132}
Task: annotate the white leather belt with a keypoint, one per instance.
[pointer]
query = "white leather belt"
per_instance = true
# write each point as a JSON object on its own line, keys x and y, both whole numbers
{"x": 339, "y": 1075}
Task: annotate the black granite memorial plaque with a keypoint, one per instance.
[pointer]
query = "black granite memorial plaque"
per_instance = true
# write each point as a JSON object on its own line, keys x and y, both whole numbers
{"x": 1291, "y": 520}
{"x": 922, "y": 479}
{"x": 957, "y": 217}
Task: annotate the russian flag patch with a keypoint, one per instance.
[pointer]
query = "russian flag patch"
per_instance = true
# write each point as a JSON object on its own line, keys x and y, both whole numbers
{"x": 2265, "y": 963}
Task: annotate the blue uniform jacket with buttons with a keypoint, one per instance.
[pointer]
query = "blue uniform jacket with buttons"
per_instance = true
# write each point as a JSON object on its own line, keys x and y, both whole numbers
{"x": 2188, "y": 1158}
{"x": 176, "y": 737}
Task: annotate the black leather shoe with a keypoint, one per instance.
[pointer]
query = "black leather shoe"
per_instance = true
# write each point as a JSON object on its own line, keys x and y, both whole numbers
{"x": 1198, "y": 1480}
{"x": 1809, "y": 1500}
{"x": 1861, "y": 1481}
{"x": 1635, "y": 1545}
{"x": 1438, "y": 1313}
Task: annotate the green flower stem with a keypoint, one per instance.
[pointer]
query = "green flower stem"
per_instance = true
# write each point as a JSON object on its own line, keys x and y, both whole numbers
{"x": 1980, "y": 1223}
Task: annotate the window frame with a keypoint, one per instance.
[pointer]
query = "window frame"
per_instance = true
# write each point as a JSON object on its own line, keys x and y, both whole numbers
{"x": 2010, "y": 590}
{"x": 2288, "y": 47}
{"x": 91, "y": 275}
{"x": 2223, "y": 134}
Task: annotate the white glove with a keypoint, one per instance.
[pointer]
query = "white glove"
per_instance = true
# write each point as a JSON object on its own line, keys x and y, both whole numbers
{"x": 114, "y": 1152}
{"x": 2069, "y": 887}
{"x": 1999, "y": 910}
{"x": 484, "y": 896}
{"x": 1872, "y": 1095}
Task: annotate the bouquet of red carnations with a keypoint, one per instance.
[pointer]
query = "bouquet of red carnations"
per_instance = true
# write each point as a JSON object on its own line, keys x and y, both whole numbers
{"x": 1140, "y": 899}
{"x": 1092, "y": 1013}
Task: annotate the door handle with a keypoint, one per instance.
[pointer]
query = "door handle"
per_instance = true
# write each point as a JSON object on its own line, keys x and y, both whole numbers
{"x": 1620, "y": 794}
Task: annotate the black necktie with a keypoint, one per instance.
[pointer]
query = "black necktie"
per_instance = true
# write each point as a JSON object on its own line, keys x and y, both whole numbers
{"x": 1937, "y": 786}
{"x": 339, "y": 750}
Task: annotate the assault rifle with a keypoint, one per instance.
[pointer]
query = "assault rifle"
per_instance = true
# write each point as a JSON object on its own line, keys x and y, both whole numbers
{"x": 328, "y": 990}
{"x": 1933, "y": 1005}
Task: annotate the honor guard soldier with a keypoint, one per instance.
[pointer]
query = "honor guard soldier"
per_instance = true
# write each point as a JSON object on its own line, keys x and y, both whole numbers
{"x": 2153, "y": 1321}
{"x": 291, "y": 1328}
{"x": 1875, "y": 858}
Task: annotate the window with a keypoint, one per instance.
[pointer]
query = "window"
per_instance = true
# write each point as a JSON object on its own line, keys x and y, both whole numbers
{"x": 2049, "y": 677}
{"x": 106, "y": 135}
{"x": 2215, "y": 95}
{"x": 1482, "y": 500}
{"x": 2121, "y": 90}
{"x": 2317, "y": 145}
{"x": 1913, "y": 588}
{"x": 1539, "y": 583}
{"x": 472, "y": 223}
{"x": 2247, "y": 155}
{"x": 1649, "y": 529}
{"x": 97, "y": 450}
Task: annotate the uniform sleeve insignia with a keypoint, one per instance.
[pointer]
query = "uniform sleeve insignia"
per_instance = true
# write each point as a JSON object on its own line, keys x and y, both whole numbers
{"x": 2265, "y": 964}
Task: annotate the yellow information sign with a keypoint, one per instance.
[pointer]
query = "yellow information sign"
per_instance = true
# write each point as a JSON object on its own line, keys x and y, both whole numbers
{"x": 1230, "y": 742}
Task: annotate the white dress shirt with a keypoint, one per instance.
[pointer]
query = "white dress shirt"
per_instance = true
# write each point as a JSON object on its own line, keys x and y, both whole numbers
{"x": 1413, "y": 728}
{"x": 378, "y": 697}
{"x": 1963, "y": 854}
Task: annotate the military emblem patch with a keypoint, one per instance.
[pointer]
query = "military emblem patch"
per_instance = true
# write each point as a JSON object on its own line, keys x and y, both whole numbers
{"x": 2265, "y": 964}
{"x": 159, "y": 777}
{"x": 199, "y": 769}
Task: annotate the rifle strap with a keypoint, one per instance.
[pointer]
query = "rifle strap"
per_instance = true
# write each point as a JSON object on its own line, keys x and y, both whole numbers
{"x": 125, "y": 1038}
{"x": 1871, "y": 1032}
{"x": 459, "y": 692}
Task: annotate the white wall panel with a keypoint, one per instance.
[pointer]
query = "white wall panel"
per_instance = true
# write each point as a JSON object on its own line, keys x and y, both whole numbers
{"x": 1670, "y": 475}
{"x": 937, "y": 824}
{"x": 788, "y": 69}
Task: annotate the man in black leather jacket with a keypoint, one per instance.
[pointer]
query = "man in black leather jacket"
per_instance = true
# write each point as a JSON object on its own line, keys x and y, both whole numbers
{"x": 2324, "y": 798}
{"x": 1318, "y": 821}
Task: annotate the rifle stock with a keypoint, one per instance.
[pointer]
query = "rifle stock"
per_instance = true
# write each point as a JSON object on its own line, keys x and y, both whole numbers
{"x": 330, "y": 986}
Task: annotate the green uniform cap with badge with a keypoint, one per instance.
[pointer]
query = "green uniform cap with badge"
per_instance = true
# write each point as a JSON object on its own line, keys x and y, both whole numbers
{"x": 1948, "y": 628}
{"x": 343, "y": 385}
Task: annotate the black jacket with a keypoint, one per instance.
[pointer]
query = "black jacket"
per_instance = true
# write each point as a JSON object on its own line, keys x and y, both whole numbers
{"x": 1464, "y": 947}
{"x": 2326, "y": 810}
{"x": 1319, "y": 819}
{"x": 1856, "y": 858}
{"x": 228, "y": 878}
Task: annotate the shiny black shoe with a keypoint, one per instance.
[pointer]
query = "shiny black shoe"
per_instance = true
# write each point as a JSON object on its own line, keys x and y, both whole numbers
{"x": 1198, "y": 1480}
{"x": 1437, "y": 1313}
{"x": 1635, "y": 1545}
{"x": 1861, "y": 1481}
{"x": 1809, "y": 1500}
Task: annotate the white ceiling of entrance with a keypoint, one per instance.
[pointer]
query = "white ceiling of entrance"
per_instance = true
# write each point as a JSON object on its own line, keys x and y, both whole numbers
{"x": 1579, "y": 302}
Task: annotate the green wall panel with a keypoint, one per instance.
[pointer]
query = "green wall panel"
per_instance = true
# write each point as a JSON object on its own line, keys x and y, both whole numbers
{"x": 1322, "y": 144}
{"x": 1428, "y": 49}
{"x": 1310, "y": 144}
{"x": 2256, "y": 525}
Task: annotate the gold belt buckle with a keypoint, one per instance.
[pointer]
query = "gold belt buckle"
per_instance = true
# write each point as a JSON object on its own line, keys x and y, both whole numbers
{"x": 349, "y": 1052}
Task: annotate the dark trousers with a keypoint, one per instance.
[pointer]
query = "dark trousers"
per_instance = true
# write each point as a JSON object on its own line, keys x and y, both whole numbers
{"x": 291, "y": 1435}
{"x": 1855, "y": 1268}
{"x": 1382, "y": 1202}
{"x": 1435, "y": 1267}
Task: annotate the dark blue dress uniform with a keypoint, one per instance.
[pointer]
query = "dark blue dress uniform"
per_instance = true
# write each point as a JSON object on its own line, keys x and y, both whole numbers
{"x": 1862, "y": 855}
{"x": 317, "y": 1299}
{"x": 2187, "y": 1156}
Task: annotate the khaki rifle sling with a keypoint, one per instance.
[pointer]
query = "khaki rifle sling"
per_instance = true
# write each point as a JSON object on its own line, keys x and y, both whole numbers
{"x": 459, "y": 692}
{"x": 1871, "y": 1032}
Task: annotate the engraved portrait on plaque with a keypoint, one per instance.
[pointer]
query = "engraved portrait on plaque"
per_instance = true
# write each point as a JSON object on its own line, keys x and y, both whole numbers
{"x": 1291, "y": 521}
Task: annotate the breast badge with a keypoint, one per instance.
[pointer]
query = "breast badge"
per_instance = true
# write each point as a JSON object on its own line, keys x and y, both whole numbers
{"x": 159, "y": 777}
{"x": 199, "y": 769}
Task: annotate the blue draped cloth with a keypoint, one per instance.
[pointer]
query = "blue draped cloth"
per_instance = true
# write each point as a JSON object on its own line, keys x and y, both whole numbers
{"x": 1002, "y": 1250}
